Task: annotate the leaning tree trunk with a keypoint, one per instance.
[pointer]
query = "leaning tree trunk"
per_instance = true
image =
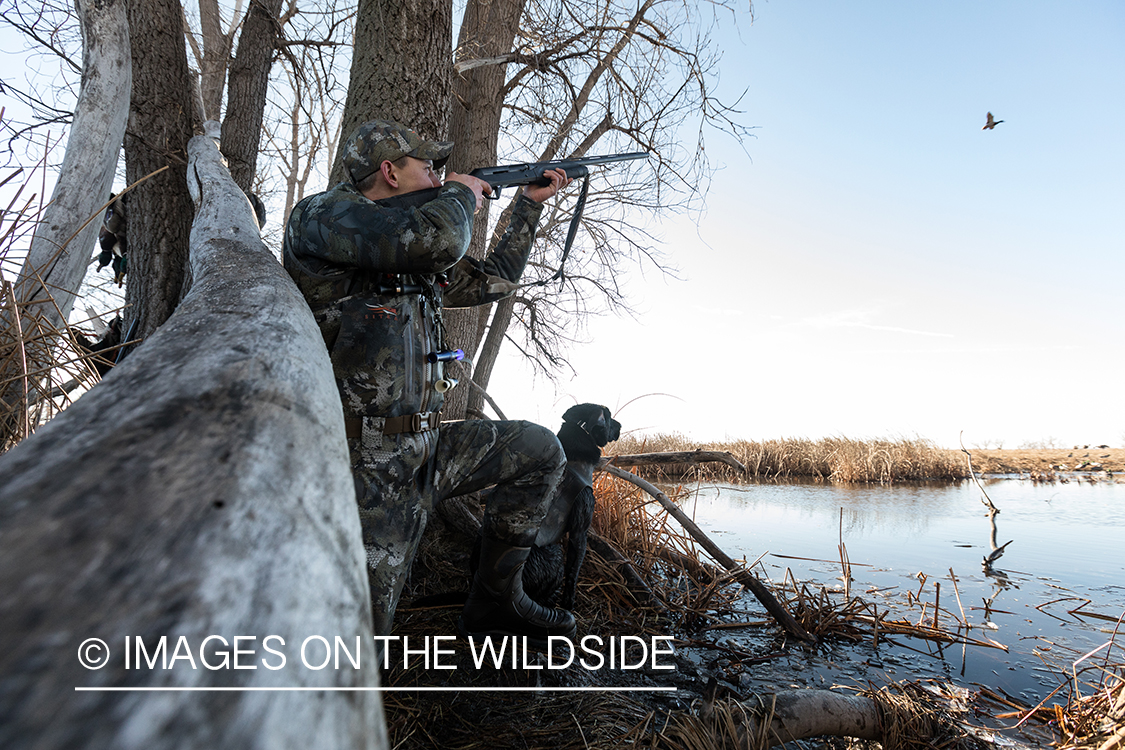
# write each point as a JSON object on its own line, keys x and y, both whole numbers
{"x": 160, "y": 125}
{"x": 400, "y": 68}
{"x": 63, "y": 243}
{"x": 201, "y": 489}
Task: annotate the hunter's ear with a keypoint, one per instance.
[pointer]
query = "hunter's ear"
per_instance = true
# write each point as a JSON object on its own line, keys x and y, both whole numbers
{"x": 390, "y": 173}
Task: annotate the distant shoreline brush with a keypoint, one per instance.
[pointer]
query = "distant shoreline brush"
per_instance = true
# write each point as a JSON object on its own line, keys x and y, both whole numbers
{"x": 884, "y": 461}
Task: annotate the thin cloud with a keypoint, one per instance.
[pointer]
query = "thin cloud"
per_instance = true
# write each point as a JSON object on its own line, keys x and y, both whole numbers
{"x": 860, "y": 319}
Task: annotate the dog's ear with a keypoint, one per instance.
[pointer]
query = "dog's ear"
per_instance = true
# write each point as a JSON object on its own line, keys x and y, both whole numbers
{"x": 613, "y": 427}
{"x": 573, "y": 414}
{"x": 583, "y": 414}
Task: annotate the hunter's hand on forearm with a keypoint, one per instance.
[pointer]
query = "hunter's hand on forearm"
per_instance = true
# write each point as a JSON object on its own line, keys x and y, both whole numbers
{"x": 540, "y": 193}
{"x": 479, "y": 187}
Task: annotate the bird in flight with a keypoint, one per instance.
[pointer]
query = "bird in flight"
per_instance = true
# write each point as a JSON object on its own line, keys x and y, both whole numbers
{"x": 991, "y": 123}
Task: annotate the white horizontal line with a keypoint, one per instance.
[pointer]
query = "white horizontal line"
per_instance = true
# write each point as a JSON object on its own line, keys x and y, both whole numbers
{"x": 371, "y": 689}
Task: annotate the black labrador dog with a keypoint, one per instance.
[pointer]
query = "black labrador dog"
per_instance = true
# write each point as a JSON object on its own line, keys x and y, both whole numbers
{"x": 586, "y": 429}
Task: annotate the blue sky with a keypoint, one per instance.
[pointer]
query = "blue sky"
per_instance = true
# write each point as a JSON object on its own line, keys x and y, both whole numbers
{"x": 872, "y": 263}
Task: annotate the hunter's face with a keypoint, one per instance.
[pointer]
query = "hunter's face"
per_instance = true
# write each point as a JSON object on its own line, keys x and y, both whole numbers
{"x": 416, "y": 174}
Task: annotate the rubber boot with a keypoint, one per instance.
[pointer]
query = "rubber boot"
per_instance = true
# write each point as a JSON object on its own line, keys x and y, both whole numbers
{"x": 497, "y": 604}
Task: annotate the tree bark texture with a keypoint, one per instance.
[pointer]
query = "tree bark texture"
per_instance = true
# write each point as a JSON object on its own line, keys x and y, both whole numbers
{"x": 216, "y": 56}
{"x": 247, "y": 88}
{"x": 488, "y": 30}
{"x": 400, "y": 68}
{"x": 160, "y": 125}
{"x": 201, "y": 489}
{"x": 488, "y": 351}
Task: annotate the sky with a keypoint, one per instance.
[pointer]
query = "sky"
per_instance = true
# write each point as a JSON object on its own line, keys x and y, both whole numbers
{"x": 874, "y": 264}
{"x": 871, "y": 263}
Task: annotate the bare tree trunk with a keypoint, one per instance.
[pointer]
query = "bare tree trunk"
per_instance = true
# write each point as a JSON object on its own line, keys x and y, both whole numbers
{"x": 488, "y": 30}
{"x": 889, "y": 716}
{"x": 202, "y": 489}
{"x": 61, "y": 248}
{"x": 400, "y": 68}
{"x": 160, "y": 125}
{"x": 799, "y": 714}
{"x": 246, "y": 92}
{"x": 215, "y": 56}
{"x": 489, "y": 351}
{"x": 92, "y": 149}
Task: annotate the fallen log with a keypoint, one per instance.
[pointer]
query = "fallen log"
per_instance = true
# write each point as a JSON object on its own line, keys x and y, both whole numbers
{"x": 895, "y": 716}
{"x": 799, "y": 714}
{"x": 676, "y": 457}
{"x": 201, "y": 489}
{"x": 774, "y": 719}
{"x": 743, "y": 576}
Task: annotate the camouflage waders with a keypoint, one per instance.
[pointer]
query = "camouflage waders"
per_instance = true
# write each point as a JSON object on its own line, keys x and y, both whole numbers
{"x": 523, "y": 459}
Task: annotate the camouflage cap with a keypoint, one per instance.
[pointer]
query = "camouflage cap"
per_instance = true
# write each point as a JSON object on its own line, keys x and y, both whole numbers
{"x": 383, "y": 140}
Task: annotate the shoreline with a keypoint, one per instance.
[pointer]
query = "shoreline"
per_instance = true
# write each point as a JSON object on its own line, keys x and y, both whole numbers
{"x": 1080, "y": 461}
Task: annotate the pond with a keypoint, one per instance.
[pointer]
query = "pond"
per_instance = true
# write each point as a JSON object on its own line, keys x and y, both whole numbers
{"x": 1068, "y": 546}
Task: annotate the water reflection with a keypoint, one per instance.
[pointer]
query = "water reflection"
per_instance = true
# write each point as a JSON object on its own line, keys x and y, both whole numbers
{"x": 1066, "y": 553}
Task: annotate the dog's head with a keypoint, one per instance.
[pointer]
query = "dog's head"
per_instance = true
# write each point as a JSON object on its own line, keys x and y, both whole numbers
{"x": 596, "y": 421}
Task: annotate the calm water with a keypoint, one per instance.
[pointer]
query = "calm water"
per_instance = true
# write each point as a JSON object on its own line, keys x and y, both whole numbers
{"x": 1068, "y": 543}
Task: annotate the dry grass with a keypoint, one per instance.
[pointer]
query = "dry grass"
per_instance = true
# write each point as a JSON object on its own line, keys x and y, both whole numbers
{"x": 42, "y": 368}
{"x": 837, "y": 459}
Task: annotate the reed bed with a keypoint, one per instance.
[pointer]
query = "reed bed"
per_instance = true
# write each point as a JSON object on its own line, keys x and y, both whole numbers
{"x": 835, "y": 459}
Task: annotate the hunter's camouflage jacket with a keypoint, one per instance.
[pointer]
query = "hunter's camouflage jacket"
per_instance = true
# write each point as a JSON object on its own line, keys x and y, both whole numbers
{"x": 377, "y": 273}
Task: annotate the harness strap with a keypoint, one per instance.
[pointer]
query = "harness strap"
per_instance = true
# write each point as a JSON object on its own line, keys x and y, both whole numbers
{"x": 424, "y": 421}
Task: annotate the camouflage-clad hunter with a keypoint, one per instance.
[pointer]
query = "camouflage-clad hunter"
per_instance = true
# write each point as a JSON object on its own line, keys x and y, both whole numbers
{"x": 377, "y": 269}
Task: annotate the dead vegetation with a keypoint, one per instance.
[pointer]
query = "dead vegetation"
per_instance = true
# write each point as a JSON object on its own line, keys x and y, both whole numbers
{"x": 42, "y": 365}
{"x": 837, "y": 459}
{"x": 1092, "y": 717}
{"x": 697, "y": 602}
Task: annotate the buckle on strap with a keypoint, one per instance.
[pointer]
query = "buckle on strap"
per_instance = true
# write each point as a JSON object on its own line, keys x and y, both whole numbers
{"x": 424, "y": 421}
